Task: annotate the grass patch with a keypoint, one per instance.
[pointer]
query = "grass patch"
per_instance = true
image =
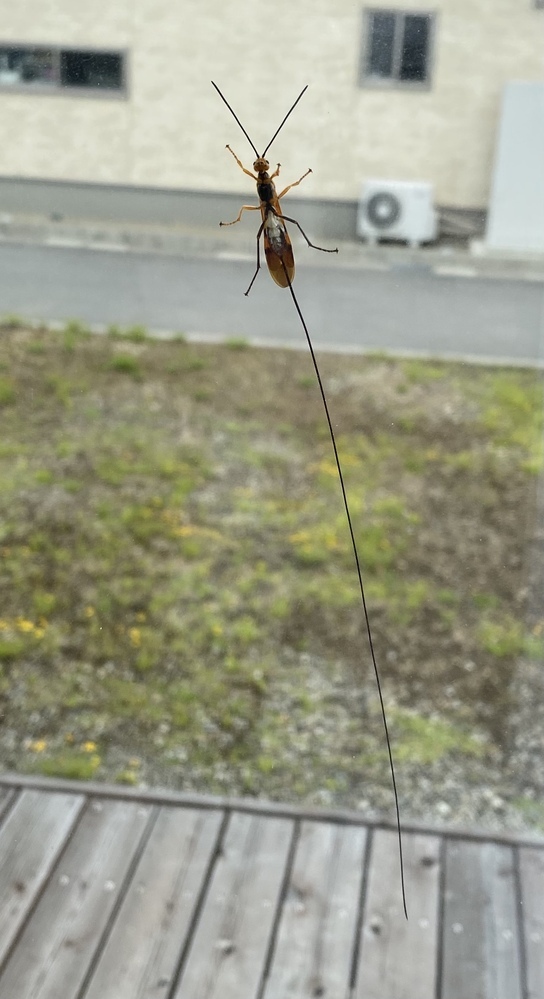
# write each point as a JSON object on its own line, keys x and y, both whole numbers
{"x": 8, "y": 392}
{"x": 428, "y": 740}
{"x": 68, "y": 765}
{"x": 127, "y": 365}
{"x": 178, "y": 578}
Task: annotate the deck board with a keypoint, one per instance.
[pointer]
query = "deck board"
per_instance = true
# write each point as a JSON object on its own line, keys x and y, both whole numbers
{"x": 531, "y": 865}
{"x": 59, "y": 940}
{"x": 231, "y": 942}
{"x": 141, "y": 956}
{"x": 481, "y": 939}
{"x": 107, "y": 893}
{"x": 31, "y": 838}
{"x": 389, "y": 941}
{"x": 313, "y": 955}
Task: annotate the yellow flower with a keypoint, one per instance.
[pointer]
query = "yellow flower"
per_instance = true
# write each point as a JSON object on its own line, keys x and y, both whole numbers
{"x": 217, "y": 629}
{"x": 89, "y": 747}
{"x": 135, "y": 636}
{"x": 300, "y": 537}
{"x": 24, "y": 624}
{"x": 38, "y": 745}
{"x": 89, "y": 611}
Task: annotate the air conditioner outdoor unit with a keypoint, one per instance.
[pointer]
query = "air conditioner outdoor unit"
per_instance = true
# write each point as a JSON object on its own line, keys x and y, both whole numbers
{"x": 397, "y": 209}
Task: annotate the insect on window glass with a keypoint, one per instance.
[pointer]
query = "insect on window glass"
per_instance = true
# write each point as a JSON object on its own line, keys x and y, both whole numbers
{"x": 281, "y": 265}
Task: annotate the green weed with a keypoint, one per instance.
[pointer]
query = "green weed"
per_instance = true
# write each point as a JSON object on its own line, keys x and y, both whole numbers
{"x": 8, "y": 392}
{"x": 73, "y": 332}
{"x": 125, "y": 364}
{"x": 12, "y": 322}
{"x": 136, "y": 334}
{"x": 428, "y": 740}
{"x": 237, "y": 343}
{"x": 68, "y": 765}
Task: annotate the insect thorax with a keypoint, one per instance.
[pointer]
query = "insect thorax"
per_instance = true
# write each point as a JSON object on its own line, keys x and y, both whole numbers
{"x": 265, "y": 190}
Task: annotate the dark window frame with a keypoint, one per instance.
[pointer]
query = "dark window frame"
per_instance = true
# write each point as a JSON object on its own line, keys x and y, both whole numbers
{"x": 55, "y": 86}
{"x": 371, "y": 81}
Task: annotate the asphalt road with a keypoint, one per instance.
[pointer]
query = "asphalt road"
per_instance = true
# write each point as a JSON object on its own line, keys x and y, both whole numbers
{"x": 409, "y": 310}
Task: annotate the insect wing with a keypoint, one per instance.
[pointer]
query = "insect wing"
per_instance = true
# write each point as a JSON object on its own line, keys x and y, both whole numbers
{"x": 281, "y": 265}
{"x": 282, "y": 269}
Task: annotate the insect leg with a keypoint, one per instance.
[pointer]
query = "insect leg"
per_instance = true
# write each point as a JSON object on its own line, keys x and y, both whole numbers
{"x": 259, "y": 234}
{"x": 244, "y": 208}
{"x": 294, "y": 184}
{"x": 298, "y": 225}
{"x": 241, "y": 165}
{"x": 276, "y": 172}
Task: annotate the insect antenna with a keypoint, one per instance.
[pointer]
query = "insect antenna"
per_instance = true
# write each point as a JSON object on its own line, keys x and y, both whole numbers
{"x": 291, "y": 109}
{"x": 278, "y": 130}
{"x": 360, "y": 578}
{"x": 236, "y": 118}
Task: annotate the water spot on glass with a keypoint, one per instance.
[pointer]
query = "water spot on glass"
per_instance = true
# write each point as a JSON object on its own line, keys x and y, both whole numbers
{"x": 96, "y": 806}
{"x": 507, "y": 934}
{"x": 535, "y": 937}
{"x": 225, "y": 947}
{"x": 109, "y": 885}
{"x": 423, "y": 924}
{"x": 142, "y": 812}
{"x": 64, "y": 880}
{"x": 457, "y": 927}
{"x": 187, "y": 893}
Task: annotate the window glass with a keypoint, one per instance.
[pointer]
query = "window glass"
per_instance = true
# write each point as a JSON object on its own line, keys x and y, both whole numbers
{"x": 396, "y": 47}
{"x": 91, "y": 69}
{"x": 415, "y": 44}
{"x": 381, "y": 43}
{"x": 28, "y": 65}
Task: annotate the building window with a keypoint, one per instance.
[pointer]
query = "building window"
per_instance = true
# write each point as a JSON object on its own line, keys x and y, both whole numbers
{"x": 49, "y": 69}
{"x": 396, "y": 48}
{"x": 91, "y": 69}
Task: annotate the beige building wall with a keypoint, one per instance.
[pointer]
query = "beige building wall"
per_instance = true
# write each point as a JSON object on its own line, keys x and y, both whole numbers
{"x": 171, "y": 129}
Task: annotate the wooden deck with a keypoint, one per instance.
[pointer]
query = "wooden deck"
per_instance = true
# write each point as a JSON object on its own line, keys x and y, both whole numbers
{"x": 107, "y": 893}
